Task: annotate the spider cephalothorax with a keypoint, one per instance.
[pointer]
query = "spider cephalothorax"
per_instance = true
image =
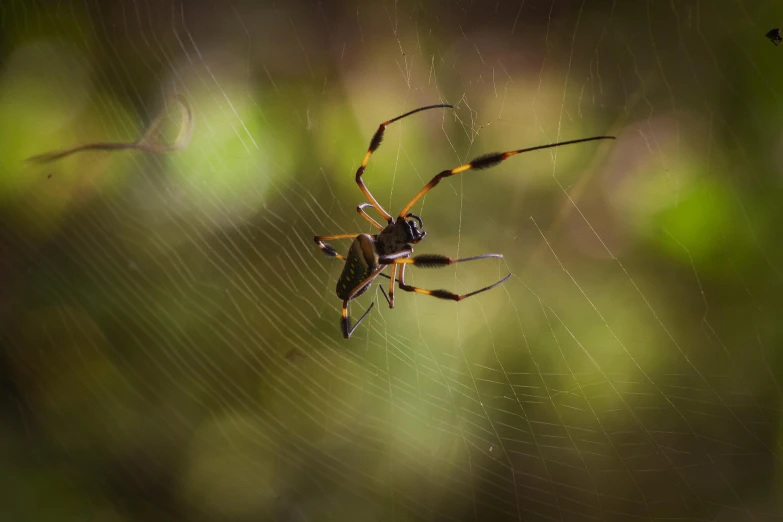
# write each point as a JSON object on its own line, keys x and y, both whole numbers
{"x": 369, "y": 254}
{"x": 400, "y": 234}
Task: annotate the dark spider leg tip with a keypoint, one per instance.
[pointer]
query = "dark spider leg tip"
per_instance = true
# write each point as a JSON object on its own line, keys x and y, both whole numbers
{"x": 329, "y": 251}
{"x": 345, "y": 323}
{"x": 490, "y": 287}
{"x": 378, "y": 136}
{"x": 384, "y": 294}
{"x": 481, "y": 256}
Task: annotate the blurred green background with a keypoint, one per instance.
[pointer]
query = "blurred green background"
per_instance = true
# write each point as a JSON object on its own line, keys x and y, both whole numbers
{"x": 169, "y": 334}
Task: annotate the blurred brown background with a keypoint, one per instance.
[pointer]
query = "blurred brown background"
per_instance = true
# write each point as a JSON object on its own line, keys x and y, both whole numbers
{"x": 169, "y": 334}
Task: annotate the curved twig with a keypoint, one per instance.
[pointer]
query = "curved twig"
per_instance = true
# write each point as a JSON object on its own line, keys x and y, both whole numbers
{"x": 144, "y": 143}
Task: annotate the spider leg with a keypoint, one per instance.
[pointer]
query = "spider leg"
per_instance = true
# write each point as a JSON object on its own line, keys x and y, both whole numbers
{"x": 329, "y": 249}
{"x": 437, "y": 260}
{"x": 486, "y": 161}
{"x": 375, "y": 142}
{"x": 345, "y": 321}
{"x": 365, "y": 215}
{"x": 389, "y": 259}
{"x": 386, "y": 296}
{"x": 390, "y": 297}
{"x": 444, "y": 294}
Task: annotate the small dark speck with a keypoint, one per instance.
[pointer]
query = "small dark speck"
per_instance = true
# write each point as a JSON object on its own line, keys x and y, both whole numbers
{"x": 49, "y": 176}
{"x": 775, "y": 36}
{"x": 294, "y": 355}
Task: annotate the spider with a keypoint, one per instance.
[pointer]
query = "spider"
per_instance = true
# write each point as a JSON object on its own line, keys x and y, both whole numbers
{"x": 370, "y": 254}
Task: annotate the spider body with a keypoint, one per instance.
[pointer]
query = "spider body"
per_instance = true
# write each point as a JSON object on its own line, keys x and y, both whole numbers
{"x": 360, "y": 262}
{"x": 400, "y": 234}
{"x": 392, "y": 247}
{"x": 366, "y": 250}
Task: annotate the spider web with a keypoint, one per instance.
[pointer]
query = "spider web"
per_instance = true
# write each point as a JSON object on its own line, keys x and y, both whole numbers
{"x": 170, "y": 334}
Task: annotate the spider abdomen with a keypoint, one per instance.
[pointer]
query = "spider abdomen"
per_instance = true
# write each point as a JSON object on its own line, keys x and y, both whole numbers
{"x": 362, "y": 259}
